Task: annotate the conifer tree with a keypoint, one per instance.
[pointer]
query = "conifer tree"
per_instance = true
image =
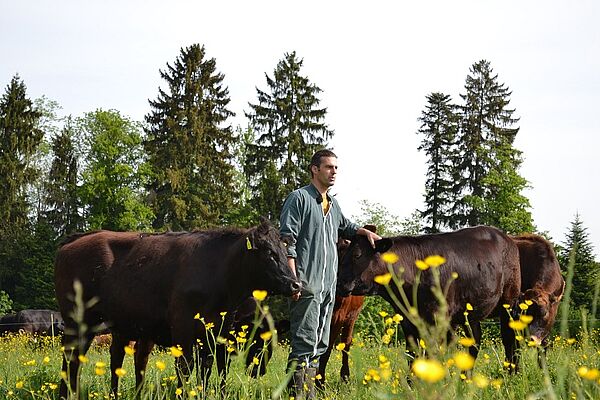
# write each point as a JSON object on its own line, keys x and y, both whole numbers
{"x": 62, "y": 197}
{"x": 19, "y": 139}
{"x": 487, "y": 172}
{"x": 189, "y": 145}
{"x": 290, "y": 127}
{"x": 439, "y": 128}
{"x": 586, "y": 269}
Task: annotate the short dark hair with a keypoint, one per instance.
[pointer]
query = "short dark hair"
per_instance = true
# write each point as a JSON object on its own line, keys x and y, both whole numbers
{"x": 316, "y": 158}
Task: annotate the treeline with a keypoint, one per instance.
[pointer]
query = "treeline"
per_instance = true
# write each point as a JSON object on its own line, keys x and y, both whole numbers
{"x": 185, "y": 167}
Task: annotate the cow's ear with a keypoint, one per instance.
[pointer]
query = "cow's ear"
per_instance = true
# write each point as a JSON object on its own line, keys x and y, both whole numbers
{"x": 383, "y": 245}
{"x": 264, "y": 225}
{"x": 371, "y": 228}
{"x": 250, "y": 241}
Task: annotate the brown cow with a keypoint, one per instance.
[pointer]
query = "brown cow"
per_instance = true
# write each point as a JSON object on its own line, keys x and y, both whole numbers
{"x": 487, "y": 263}
{"x": 541, "y": 282}
{"x": 149, "y": 287}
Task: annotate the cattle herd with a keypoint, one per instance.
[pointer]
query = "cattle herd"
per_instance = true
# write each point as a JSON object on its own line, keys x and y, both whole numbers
{"x": 170, "y": 288}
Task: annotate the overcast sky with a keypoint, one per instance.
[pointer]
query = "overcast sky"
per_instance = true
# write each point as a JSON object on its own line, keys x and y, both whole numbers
{"x": 375, "y": 61}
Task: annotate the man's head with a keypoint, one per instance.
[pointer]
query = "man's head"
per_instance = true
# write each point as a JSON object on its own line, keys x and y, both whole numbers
{"x": 323, "y": 168}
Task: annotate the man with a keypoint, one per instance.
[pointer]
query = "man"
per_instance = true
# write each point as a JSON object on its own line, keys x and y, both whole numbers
{"x": 311, "y": 220}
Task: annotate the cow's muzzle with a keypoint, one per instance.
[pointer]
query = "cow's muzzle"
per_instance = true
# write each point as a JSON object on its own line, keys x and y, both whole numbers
{"x": 295, "y": 286}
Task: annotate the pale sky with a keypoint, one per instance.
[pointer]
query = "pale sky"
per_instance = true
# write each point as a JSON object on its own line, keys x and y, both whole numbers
{"x": 375, "y": 61}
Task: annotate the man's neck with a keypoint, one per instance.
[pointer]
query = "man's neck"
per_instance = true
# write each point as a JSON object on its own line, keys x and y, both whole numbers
{"x": 321, "y": 189}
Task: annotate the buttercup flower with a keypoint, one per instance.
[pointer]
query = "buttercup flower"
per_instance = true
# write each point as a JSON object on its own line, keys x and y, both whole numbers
{"x": 383, "y": 279}
{"x": 435, "y": 261}
{"x": 390, "y": 258}
{"x": 259, "y": 295}
{"x": 422, "y": 265}
{"x": 428, "y": 370}
{"x": 464, "y": 361}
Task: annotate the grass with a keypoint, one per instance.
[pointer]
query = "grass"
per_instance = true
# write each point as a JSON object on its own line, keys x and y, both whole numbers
{"x": 30, "y": 366}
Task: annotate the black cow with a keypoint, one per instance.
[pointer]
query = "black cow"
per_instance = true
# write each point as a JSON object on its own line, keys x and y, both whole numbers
{"x": 149, "y": 287}
{"x": 41, "y": 322}
{"x": 485, "y": 259}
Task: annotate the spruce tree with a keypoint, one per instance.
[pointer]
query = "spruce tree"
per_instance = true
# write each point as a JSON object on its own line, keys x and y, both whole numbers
{"x": 290, "y": 127}
{"x": 439, "y": 128}
{"x": 487, "y": 156}
{"x": 189, "y": 145}
{"x": 62, "y": 197}
{"x": 20, "y": 137}
{"x": 586, "y": 269}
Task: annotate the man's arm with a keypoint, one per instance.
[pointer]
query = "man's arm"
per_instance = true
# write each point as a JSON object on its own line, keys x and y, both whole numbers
{"x": 372, "y": 237}
{"x": 292, "y": 265}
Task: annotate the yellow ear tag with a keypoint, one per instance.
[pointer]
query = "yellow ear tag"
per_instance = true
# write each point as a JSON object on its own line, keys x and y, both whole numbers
{"x": 248, "y": 244}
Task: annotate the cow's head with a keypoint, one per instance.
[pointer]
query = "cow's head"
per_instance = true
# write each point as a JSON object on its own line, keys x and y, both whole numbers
{"x": 543, "y": 309}
{"x": 360, "y": 264}
{"x": 268, "y": 252}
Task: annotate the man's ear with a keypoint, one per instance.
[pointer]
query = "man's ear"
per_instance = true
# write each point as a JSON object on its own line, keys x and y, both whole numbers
{"x": 371, "y": 228}
{"x": 383, "y": 245}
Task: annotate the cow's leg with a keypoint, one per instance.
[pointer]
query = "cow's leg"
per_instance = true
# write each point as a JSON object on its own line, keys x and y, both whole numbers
{"x": 347, "y": 340}
{"x": 509, "y": 341}
{"x": 143, "y": 348}
{"x": 73, "y": 346}
{"x": 476, "y": 331}
{"x": 117, "y": 354}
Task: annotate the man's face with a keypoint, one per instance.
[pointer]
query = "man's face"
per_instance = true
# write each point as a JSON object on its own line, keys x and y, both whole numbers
{"x": 326, "y": 172}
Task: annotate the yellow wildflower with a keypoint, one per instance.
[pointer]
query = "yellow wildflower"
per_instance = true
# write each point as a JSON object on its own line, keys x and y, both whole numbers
{"x": 496, "y": 383}
{"x": 129, "y": 350}
{"x": 176, "y": 351}
{"x": 19, "y": 384}
{"x": 422, "y": 265}
{"x": 422, "y": 344}
{"x": 160, "y": 365}
{"x": 428, "y": 370}
{"x": 178, "y": 391}
{"x": 466, "y": 341}
{"x": 192, "y": 393}
{"x": 386, "y": 339}
{"x": 517, "y": 325}
{"x": 507, "y": 306}
{"x": 340, "y": 346}
{"x": 383, "y": 279}
{"x": 209, "y": 325}
{"x": 390, "y": 258}
{"x": 383, "y": 314}
{"x": 528, "y": 302}
{"x": 100, "y": 371}
{"x": 571, "y": 340}
{"x": 259, "y": 295}
{"x": 224, "y": 313}
{"x": 266, "y": 335}
{"x": 46, "y": 360}
{"x": 523, "y": 306}
{"x": 526, "y": 319}
{"x": 255, "y": 361}
{"x": 83, "y": 358}
{"x": 464, "y": 361}
{"x": 120, "y": 372}
{"x": 469, "y": 307}
{"x": 435, "y": 261}
{"x": 197, "y": 316}
{"x": 455, "y": 275}
{"x": 480, "y": 381}
{"x": 397, "y": 318}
